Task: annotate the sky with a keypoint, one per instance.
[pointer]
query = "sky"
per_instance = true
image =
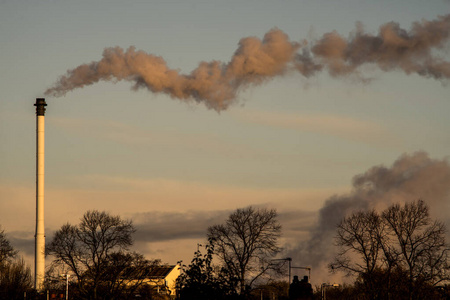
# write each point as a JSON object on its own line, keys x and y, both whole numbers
{"x": 176, "y": 157}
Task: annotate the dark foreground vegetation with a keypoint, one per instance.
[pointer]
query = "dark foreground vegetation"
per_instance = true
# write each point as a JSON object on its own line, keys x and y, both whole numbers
{"x": 398, "y": 253}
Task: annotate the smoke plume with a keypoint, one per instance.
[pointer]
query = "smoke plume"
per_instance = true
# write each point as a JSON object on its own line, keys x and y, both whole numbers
{"x": 216, "y": 84}
{"x": 410, "y": 178}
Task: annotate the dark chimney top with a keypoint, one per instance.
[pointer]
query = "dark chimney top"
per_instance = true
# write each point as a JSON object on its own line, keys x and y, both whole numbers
{"x": 40, "y": 106}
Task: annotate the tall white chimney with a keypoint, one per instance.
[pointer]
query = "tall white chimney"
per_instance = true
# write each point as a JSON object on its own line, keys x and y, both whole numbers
{"x": 39, "y": 255}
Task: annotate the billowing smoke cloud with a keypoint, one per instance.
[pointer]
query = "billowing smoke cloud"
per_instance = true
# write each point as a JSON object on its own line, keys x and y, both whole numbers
{"x": 213, "y": 83}
{"x": 393, "y": 48}
{"x": 411, "y": 177}
{"x": 216, "y": 84}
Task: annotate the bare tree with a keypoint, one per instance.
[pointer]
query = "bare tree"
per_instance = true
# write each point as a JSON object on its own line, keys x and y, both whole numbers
{"x": 85, "y": 249}
{"x": 246, "y": 243}
{"x": 401, "y": 240}
{"x": 420, "y": 243}
{"x": 360, "y": 240}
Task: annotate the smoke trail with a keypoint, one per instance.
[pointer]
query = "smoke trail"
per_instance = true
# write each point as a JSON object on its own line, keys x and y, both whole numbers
{"x": 216, "y": 84}
{"x": 393, "y": 48}
{"x": 213, "y": 83}
{"x": 410, "y": 178}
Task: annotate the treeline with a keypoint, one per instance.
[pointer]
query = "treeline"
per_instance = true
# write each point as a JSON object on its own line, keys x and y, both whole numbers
{"x": 92, "y": 260}
{"x": 398, "y": 253}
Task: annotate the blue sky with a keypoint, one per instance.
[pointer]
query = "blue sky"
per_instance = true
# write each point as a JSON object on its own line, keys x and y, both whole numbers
{"x": 289, "y": 144}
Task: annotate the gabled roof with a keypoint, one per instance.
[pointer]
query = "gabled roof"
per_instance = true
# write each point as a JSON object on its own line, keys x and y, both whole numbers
{"x": 159, "y": 271}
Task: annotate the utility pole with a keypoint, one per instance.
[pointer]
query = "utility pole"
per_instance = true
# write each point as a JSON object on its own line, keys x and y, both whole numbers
{"x": 67, "y": 286}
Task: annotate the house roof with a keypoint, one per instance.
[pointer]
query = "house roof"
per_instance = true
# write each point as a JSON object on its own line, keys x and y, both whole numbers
{"x": 160, "y": 271}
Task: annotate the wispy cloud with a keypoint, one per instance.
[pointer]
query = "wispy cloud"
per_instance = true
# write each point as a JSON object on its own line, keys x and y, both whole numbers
{"x": 104, "y": 129}
{"x": 155, "y": 139}
{"x": 185, "y": 194}
{"x": 163, "y": 226}
{"x": 159, "y": 226}
{"x": 127, "y": 196}
{"x": 326, "y": 124}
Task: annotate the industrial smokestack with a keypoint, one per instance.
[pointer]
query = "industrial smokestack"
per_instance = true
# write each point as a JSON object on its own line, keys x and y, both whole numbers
{"x": 39, "y": 255}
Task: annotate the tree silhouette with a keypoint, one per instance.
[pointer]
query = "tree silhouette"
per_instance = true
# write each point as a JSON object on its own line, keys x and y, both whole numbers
{"x": 202, "y": 281}
{"x": 400, "y": 251}
{"x": 6, "y": 250}
{"x": 246, "y": 243}
{"x": 92, "y": 249}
